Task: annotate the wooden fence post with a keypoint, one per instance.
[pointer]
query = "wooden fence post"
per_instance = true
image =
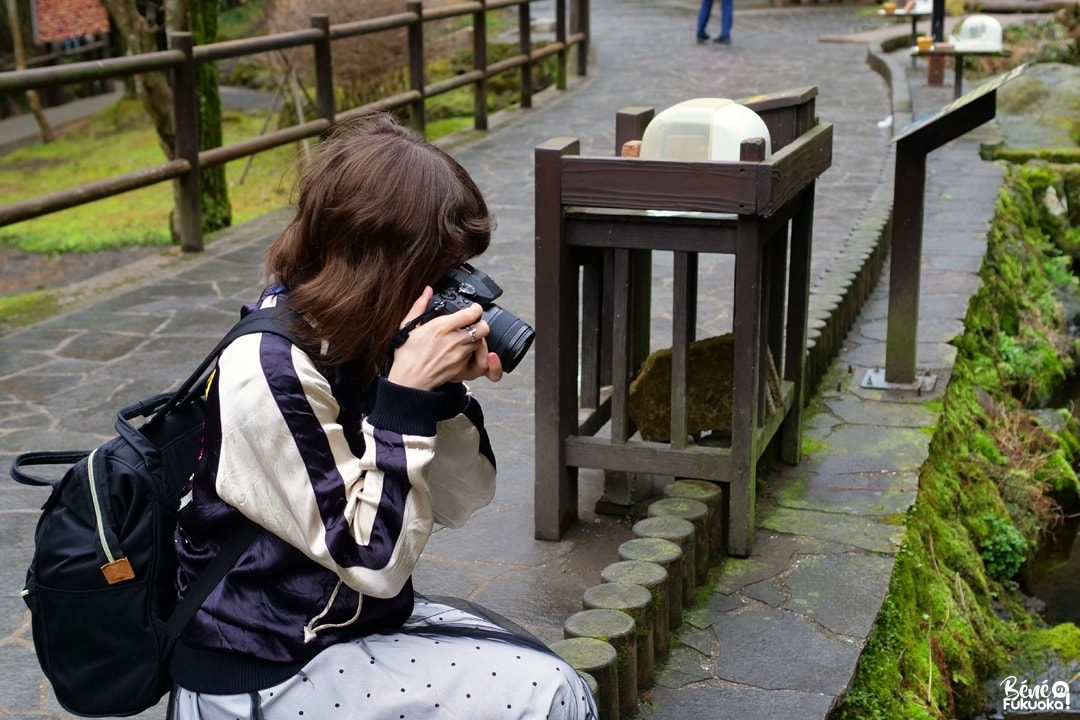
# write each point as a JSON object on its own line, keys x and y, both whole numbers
{"x": 324, "y": 68}
{"x": 560, "y": 38}
{"x": 183, "y": 57}
{"x": 556, "y": 366}
{"x": 480, "y": 113}
{"x": 185, "y": 112}
{"x": 416, "y": 64}
{"x": 525, "y": 48}
{"x": 581, "y": 26}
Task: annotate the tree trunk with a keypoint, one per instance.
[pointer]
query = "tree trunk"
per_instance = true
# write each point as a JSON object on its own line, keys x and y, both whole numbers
{"x": 32, "y": 99}
{"x": 140, "y": 36}
{"x": 213, "y": 187}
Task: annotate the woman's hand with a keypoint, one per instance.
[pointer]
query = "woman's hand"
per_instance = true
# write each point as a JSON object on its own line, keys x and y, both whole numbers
{"x": 448, "y": 348}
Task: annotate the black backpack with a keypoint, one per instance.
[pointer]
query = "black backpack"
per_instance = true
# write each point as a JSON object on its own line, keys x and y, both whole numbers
{"x": 101, "y": 585}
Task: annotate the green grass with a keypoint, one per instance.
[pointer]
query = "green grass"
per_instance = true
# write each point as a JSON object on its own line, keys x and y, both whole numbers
{"x": 20, "y": 310}
{"x": 243, "y": 21}
{"x": 447, "y": 126}
{"x": 118, "y": 141}
{"x": 121, "y": 140}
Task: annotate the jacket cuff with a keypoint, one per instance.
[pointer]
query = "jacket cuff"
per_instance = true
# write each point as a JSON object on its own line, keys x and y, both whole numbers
{"x": 406, "y": 410}
{"x": 455, "y": 399}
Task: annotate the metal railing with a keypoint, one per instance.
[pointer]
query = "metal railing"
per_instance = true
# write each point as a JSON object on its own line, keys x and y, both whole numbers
{"x": 183, "y": 57}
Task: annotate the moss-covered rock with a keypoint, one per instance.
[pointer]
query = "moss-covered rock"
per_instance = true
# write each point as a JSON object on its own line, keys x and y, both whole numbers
{"x": 709, "y": 379}
{"x": 709, "y": 370}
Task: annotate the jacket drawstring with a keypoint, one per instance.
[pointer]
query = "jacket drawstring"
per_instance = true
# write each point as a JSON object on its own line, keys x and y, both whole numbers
{"x": 310, "y": 630}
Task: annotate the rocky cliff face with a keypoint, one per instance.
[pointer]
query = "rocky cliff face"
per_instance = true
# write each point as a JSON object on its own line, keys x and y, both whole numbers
{"x": 1041, "y": 107}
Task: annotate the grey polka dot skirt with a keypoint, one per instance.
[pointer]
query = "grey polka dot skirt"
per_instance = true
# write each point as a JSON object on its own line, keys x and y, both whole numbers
{"x": 445, "y": 664}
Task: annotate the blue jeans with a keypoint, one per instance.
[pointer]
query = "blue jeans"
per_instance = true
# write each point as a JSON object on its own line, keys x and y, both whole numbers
{"x": 727, "y": 8}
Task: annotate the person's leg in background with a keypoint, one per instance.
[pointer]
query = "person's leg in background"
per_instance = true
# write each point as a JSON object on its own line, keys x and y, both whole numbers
{"x": 703, "y": 19}
{"x": 727, "y": 12}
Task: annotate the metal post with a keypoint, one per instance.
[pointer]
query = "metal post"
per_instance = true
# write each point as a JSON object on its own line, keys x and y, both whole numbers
{"x": 904, "y": 266}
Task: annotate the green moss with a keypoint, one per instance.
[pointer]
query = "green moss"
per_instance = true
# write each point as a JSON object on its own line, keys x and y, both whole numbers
{"x": 792, "y": 492}
{"x": 705, "y": 588}
{"x": 1059, "y": 474}
{"x": 952, "y": 619}
{"x": 1063, "y": 639}
{"x": 622, "y": 652}
{"x": 812, "y": 445}
{"x": 20, "y": 310}
{"x": 1037, "y": 647}
{"x": 87, "y": 153}
{"x": 985, "y": 446}
{"x": 1062, "y": 155}
{"x": 1022, "y": 155}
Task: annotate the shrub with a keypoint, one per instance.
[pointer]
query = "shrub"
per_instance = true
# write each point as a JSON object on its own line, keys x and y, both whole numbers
{"x": 368, "y": 67}
{"x": 1004, "y": 548}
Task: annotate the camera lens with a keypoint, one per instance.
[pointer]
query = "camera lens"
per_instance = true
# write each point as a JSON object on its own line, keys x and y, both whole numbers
{"x": 510, "y": 337}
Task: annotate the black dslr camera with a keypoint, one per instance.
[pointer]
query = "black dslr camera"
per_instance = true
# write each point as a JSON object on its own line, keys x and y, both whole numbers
{"x": 510, "y": 337}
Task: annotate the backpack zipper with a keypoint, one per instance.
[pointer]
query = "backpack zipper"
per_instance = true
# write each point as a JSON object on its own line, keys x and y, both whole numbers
{"x": 116, "y": 569}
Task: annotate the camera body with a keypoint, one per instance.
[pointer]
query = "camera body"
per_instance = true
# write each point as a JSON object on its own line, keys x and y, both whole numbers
{"x": 510, "y": 337}
{"x": 460, "y": 287}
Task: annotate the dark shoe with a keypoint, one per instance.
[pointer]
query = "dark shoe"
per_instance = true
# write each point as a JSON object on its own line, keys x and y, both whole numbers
{"x": 702, "y": 38}
{"x": 722, "y": 40}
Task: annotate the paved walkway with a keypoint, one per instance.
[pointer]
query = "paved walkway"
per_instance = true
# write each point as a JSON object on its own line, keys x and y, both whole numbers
{"x": 781, "y": 631}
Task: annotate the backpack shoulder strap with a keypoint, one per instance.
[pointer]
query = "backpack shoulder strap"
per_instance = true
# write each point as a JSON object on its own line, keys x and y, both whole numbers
{"x": 267, "y": 320}
{"x": 227, "y": 556}
{"x": 274, "y": 320}
{"x": 271, "y": 320}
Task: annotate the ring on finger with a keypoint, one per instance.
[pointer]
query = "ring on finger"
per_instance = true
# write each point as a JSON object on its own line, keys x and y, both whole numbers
{"x": 472, "y": 332}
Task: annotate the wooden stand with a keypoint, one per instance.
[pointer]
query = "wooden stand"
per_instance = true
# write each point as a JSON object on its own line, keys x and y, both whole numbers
{"x": 935, "y": 58}
{"x": 595, "y": 231}
{"x": 915, "y": 18}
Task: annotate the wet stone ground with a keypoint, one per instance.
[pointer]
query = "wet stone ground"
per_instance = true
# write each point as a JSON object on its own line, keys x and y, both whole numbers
{"x": 22, "y": 272}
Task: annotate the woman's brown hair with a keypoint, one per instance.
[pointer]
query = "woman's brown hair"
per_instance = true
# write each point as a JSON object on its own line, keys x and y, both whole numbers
{"x": 380, "y": 213}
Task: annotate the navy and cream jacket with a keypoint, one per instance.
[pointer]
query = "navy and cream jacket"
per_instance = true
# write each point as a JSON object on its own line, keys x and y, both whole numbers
{"x": 346, "y": 482}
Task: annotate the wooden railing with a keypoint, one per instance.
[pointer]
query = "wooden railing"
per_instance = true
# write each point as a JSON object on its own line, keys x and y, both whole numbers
{"x": 91, "y": 48}
{"x": 183, "y": 56}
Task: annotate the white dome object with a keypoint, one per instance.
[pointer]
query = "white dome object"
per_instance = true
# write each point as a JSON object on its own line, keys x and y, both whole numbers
{"x": 703, "y": 129}
{"x": 977, "y": 32}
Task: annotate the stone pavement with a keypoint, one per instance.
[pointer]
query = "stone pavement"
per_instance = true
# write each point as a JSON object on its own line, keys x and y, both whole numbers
{"x": 780, "y": 632}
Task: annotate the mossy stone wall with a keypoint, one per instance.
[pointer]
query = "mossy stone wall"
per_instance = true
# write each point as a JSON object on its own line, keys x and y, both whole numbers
{"x": 953, "y": 618}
